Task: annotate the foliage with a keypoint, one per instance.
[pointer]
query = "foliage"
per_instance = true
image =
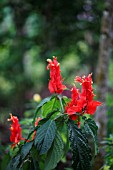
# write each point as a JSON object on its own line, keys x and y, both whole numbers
{"x": 108, "y": 144}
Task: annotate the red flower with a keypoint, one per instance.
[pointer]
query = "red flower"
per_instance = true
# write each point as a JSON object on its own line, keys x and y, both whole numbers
{"x": 16, "y": 131}
{"x": 82, "y": 102}
{"x": 87, "y": 95}
{"x": 72, "y": 107}
{"x": 55, "y": 83}
{"x": 36, "y": 124}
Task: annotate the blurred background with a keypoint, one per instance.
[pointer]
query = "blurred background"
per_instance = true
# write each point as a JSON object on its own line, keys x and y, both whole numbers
{"x": 78, "y": 32}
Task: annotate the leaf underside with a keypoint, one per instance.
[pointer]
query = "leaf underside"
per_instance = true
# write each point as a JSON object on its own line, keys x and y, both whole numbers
{"x": 80, "y": 148}
{"x": 91, "y": 129}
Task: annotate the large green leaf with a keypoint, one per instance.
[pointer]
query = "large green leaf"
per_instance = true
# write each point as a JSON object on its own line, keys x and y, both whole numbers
{"x": 91, "y": 129}
{"x": 40, "y": 105}
{"x": 55, "y": 153}
{"x": 45, "y": 136}
{"x": 80, "y": 148}
{"x": 26, "y": 149}
{"x": 41, "y": 122}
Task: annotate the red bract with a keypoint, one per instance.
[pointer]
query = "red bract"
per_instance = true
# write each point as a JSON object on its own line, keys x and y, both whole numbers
{"x": 87, "y": 95}
{"x": 55, "y": 83}
{"x": 36, "y": 124}
{"x": 72, "y": 108}
{"x": 37, "y": 121}
{"x": 16, "y": 131}
{"x": 82, "y": 102}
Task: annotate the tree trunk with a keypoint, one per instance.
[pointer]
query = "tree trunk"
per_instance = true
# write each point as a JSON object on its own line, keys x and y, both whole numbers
{"x": 102, "y": 77}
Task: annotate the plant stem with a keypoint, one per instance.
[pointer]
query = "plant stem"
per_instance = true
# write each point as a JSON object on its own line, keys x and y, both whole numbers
{"x": 60, "y": 99}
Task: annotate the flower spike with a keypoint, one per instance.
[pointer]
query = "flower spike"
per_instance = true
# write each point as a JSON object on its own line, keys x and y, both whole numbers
{"x": 16, "y": 131}
{"x": 55, "y": 82}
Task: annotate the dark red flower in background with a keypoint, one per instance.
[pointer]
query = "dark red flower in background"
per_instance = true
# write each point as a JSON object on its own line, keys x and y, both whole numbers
{"x": 16, "y": 131}
{"x": 82, "y": 102}
{"x": 55, "y": 82}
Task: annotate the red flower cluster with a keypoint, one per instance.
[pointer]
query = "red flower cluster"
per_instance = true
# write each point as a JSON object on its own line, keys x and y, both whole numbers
{"x": 16, "y": 131}
{"x": 82, "y": 102}
{"x": 55, "y": 83}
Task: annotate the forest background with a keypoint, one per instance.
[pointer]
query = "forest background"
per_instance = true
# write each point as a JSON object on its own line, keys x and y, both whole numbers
{"x": 78, "y": 32}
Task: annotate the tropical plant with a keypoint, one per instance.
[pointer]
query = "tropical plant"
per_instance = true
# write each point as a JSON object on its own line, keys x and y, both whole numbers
{"x": 60, "y": 124}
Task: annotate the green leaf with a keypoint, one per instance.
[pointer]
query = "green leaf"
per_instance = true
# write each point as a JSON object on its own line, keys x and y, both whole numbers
{"x": 55, "y": 153}
{"x": 40, "y": 105}
{"x": 35, "y": 158}
{"x": 80, "y": 148}
{"x": 50, "y": 106}
{"x": 13, "y": 164}
{"x": 41, "y": 122}
{"x": 26, "y": 149}
{"x": 91, "y": 129}
{"x": 45, "y": 136}
{"x": 44, "y": 120}
{"x": 62, "y": 128}
{"x": 51, "y": 114}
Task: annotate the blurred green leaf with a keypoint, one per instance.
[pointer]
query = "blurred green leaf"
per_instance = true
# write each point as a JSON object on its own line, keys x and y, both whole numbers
{"x": 5, "y": 161}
